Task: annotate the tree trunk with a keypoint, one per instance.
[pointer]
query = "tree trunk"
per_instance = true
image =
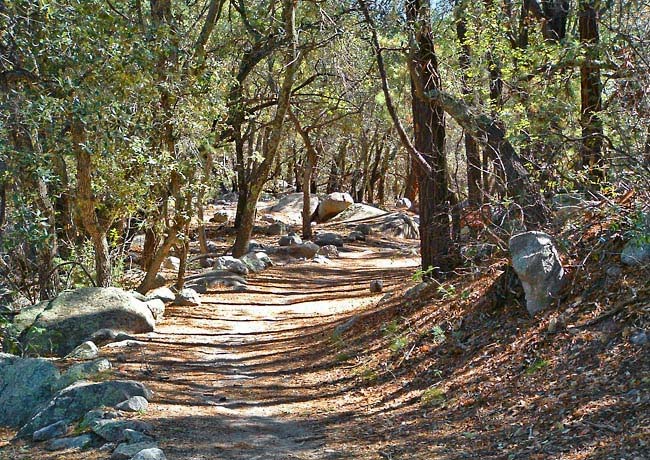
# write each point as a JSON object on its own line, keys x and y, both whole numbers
{"x": 412, "y": 186}
{"x": 429, "y": 129}
{"x": 591, "y": 155}
{"x": 87, "y": 206}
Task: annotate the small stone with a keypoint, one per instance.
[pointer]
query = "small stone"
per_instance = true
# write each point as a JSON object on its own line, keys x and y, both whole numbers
{"x": 329, "y": 251}
{"x": 82, "y": 371}
{"x": 87, "y": 350}
{"x": 108, "y": 447}
{"x": 403, "y": 203}
{"x": 78, "y": 442}
{"x": 376, "y": 286}
{"x": 321, "y": 260}
{"x": 238, "y": 287}
{"x": 54, "y": 430}
{"x": 150, "y": 454}
{"x": 324, "y": 239}
{"x": 640, "y": 338}
{"x": 133, "y": 404}
{"x": 113, "y": 430}
{"x": 365, "y": 229}
{"x": 95, "y": 415}
{"x": 126, "y": 451}
{"x": 231, "y": 264}
{"x": 356, "y": 236}
{"x": 555, "y": 324}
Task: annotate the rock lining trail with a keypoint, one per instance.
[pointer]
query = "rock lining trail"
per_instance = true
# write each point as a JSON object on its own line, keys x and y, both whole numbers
{"x": 244, "y": 375}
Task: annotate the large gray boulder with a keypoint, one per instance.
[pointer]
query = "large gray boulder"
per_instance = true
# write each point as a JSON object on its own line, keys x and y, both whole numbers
{"x": 358, "y": 212}
{"x": 231, "y": 264}
{"x": 256, "y": 261}
{"x": 292, "y": 203}
{"x": 538, "y": 266}
{"x": 329, "y": 239}
{"x": 400, "y": 225}
{"x": 25, "y": 385}
{"x": 333, "y": 204}
{"x": 73, "y": 402}
{"x": 305, "y": 250}
{"x": 73, "y": 316}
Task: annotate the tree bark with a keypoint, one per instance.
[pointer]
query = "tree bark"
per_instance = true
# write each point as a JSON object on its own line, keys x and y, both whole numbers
{"x": 591, "y": 152}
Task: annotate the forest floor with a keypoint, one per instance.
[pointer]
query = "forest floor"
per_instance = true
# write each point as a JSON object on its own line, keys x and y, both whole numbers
{"x": 460, "y": 371}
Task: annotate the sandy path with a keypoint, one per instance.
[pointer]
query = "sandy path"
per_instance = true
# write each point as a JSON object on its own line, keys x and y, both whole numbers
{"x": 241, "y": 376}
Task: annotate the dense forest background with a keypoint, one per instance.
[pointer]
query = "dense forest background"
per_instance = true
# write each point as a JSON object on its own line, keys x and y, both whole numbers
{"x": 127, "y": 117}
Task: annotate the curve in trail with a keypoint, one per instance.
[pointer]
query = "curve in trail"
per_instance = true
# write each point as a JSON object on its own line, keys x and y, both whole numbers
{"x": 241, "y": 376}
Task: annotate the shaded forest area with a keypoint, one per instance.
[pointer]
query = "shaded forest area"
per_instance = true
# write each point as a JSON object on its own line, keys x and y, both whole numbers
{"x": 143, "y": 142}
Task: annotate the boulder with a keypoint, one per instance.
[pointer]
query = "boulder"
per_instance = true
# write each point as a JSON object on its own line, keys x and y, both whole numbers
{"x": 87, "y": 350}
{"x": 256, "y": 261}
{"x": 97, "y": 414}
{"x": 538, "y": 266}
{"x": 25, "y": 385}
{"x": 231, "y": 264}
{"x": 292, "y": 203}
{"x": 330, "y": 251}
{"x": 157, "y": 308}
{"x": 162, "y": 293}
{"x": 188, "y": 297}
{"x": 325, "y": 239}
{"x": 133, "y": 404}
{"x": 73, "y": 402}
{"x": 333, "y": 204}
{"x": 636, "y": 252}
{"x": 73, "y": 316}
{"x": 355, "y": 236}
{"x": 289, "y": 240}
{"x": 255, "y": 246}
{"x": 275, "y": 229}
{"x": 403, "y": 203}
{"x": 171, "y": 263}
{"x": 400, "y": 225}
{"x": 133, "y": 436}
{"x": 358, "y": 211}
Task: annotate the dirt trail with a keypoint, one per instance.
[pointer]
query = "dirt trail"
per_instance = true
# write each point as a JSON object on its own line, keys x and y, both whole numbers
{"x": 243, "y": 376}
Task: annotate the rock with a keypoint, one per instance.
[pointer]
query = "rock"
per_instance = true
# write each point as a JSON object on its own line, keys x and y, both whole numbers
{"x": 126, "y": 451}
{"x": 276, "y": 229}
{"x": 636, "y": 252}
{"x": 538, "y": 266}
{"x": 365, "y": 229}
{"x": 640, "y": 338}
{"x": 133, "y": 436}
{"x": 321, "y": 260}
{"x": 113, "y": 430}
{"x": 77, "y": 442}
{"x": 157, "y": 308}
{"x": 137, "y": 243}
{"x": 133, "y": 404}
{"x": 206, "y": 262}
{"x": 239, "y": 287}
{"x": 330, "y": 251}
{"x": 25, "y": 385}
{"x": 83, "y": 371}
{"x": 292, "y": 203}
{"x": 358, "y": 211}
{"x": 160, "y": 281}
{"x": 403, "y": 203}
{"x": 333, "y": 204}
{"x": 256, "y": 261}
{"x": 231, "y": 264}
{"x": 220, "y": 217}
{"x": 417, "y": 290}
{"x": 171, "y": 263}
{"x": 73, "y": 402}
{"x": 343, "y": 328}
{"x": 150, "y": 454}
{"x": 356, "y": 236}
{"x": 97, "y": 414}
{"x": 305, "y": 250}
{"x": 254, "y": 246}
{"x": 74, "y": 315}
{"x": 105, "y": 336}
{"x": 555, "y": 324}
{"x": 55, "y": 430}
{"x": 400, "y": 225}
{"x": 289, "y": 240}
{"x": 376, "y": 286}
{"x": 162, "y": 293}
{"x": 324, "y": 239}
{"x": 187, "y": 298}
{"x": 87, "y": 350}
